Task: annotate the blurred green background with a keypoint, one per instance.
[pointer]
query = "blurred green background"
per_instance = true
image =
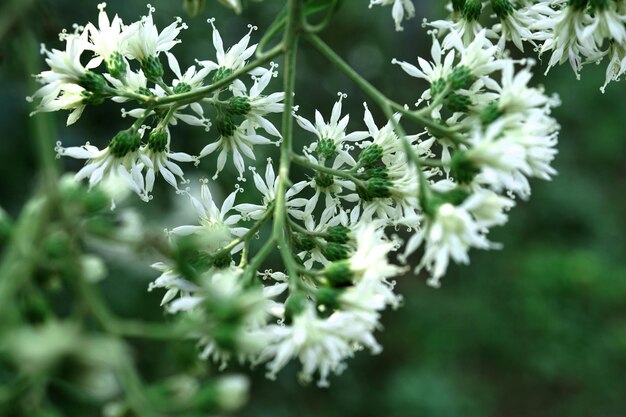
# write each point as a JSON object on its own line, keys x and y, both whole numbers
{"x": 535, "y": 329}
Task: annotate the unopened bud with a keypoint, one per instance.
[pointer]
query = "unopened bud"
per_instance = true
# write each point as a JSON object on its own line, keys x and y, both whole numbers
{"x": 152, "y": 68}
{"x": 371, "y": 155}
{"x": 116, "y": 66}
{"x": 339, "y": 273}
{"x": 124, "y": 142}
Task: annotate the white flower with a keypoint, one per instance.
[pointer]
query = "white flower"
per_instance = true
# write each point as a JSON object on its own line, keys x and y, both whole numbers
{"x": 142, "y": 39}
{"x": 259, "y": 105}
{"x": 449, "y": 234}
{"x": 333, "y": 131}
{"x": 239, "y": 140}
{"x": 371, "y": 255}
{"x": 119, "y": 160}
{"x": 105, "y": 40}
{"x": 398, "y": 10}
{"x": 216, "y": 226}
{"x": 171, "y": 280}
{"x": 157, "y": 158}
{"x": 268, "y": 186}
{"x": 235, "y": 58}
{"x": 320, "y": 344}
{"x": 434, "y": 71}
{"x": 71, "y": 97}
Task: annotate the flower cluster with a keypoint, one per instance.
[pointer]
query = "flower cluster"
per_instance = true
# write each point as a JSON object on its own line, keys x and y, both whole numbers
{"x": 484, "y": 132}
{"x": 578, "y": 31}
{"x": 126, "y": 67}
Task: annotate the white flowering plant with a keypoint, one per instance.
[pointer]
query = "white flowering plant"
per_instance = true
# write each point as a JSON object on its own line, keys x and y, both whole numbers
{"x": 406, "y": 194}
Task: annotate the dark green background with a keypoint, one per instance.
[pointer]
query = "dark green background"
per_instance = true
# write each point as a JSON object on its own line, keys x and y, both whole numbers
{"x": 536, "y": 329}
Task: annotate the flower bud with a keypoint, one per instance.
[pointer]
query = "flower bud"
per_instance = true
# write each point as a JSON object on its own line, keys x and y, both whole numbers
{"x": 578, "y": 4}
{"x": 326, "y": 148}
{"x": 92, "y": 82}
{"x": 457, "y": 5}
{"x": 116, "y": 66}
{"x": 328, "y": 297}
{"x": 338, "y": 234}
{"x": 371, "y": 155}
{"x": 378, "y": 188}
{"x": 152, "y": 68}
{"x": 472, "y": 9}
{"x": 225, "y": 126}
{"x": 157, "y": 141}
{"x": 490, "y": 114}
{"x": 181, "y": 88}
{"x": 462, "y": 168}
{"x": 303, "y": 242}
{"x": 458, "y": 102}
{"x": 323, "y": 180}
{"x": 222, "y": 260}
{"x": 124, "y": 142}
{"x": 220, "y": 74}
{"x": 460, "y": 77}
{"x": 295, "y": 305}
{"x": 238, "y": 106}
{"x": 339, "y": 273}
{"x": 335, "y": 251}
{"x": 502, "y": 8}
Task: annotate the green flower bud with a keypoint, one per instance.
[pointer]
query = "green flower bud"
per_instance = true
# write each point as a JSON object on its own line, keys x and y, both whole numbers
{"x": 222, "y": 260}
{"x": 124, "y": 142}
{"x": 579, "y": 4}
{"x": 462, "y": 168}
{"x": 472, "y": 9}
{"x": 92, "y": 82}
{"x": 379, "y": 188}
{"x": 225, "y": 336}
{"x": 458, "y": 102}
{"x": 599, "y": 4}
{"x": 460, "y": 77}
{"x": 238, "y": 106}
{"x": 294, "y": 306}
{"x": 437, "y": 87}
{"x": 502, "y": 8}
{"x": 157, "y": 141}
{"x": 225, "y": 126}
{"x": 181, "y": 88}
{"x": 371, "y": 155}
{"x": 92, "y": 99}
{"x": 457, "y": 5}
{"x": 338, "y": 234}
{"x": 323, "y": 180}
{"x": 335, "y": 251}
{"x": 303, "y": 242}
{"x": 326, "y": 148}
{"x": 220, "y": 74}
{"x": 339, "y": 273}
{"x": 376, "y": 173}
{"x": 328, "y": 297}
{"x": 152, "y": 68}
{"x": 144, "y": 91}
{"x": 116, "y": 66}
{"x": 455, "y": 197}
{"x": 490, "y": 114}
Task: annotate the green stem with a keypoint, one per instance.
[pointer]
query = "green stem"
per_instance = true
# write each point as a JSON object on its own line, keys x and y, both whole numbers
{"x": 197, "y": 94}
{"x": 303, "y": 161}
{"x": 290, "y": 43}
{"x": 380, "y": 99}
